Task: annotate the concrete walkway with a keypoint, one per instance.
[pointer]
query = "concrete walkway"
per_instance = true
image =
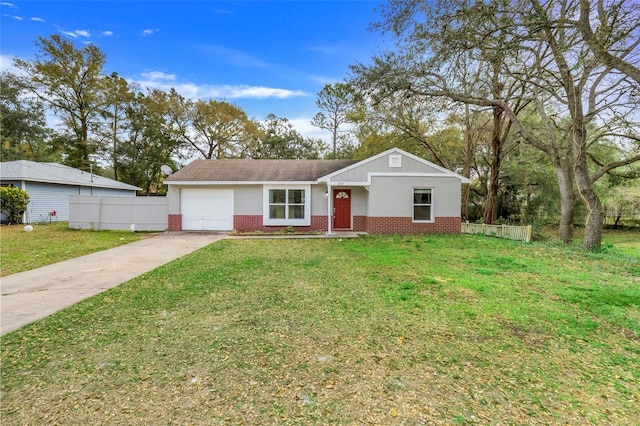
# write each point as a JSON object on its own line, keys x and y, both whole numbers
{"x": 28, "y": 296}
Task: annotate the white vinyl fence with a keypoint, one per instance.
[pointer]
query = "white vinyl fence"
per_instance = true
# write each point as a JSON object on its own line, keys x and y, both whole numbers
{"x": 118, "y": 213}
{"x": 520, "y": 233}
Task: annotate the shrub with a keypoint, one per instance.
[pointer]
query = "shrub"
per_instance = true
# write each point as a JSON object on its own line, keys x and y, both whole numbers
{"x": 13, "y": 203}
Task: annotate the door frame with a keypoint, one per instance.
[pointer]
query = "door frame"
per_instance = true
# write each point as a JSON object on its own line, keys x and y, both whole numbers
{"x": 333, "y": 200}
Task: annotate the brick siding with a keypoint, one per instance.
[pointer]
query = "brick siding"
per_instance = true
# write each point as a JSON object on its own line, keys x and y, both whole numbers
{"x": 248, "y": 223}
{"x": 175, "y": 222}
{"x": 359, "y": 223}
{"x": 372, "y": 225}
{"x": 405, "y": 225}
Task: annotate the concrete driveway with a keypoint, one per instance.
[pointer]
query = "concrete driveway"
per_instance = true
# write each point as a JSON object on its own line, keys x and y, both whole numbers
{"x": 28, "y": 296}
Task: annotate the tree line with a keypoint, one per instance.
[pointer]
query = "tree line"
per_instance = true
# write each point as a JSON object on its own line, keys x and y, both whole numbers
{"x": 535, "y": 101}
{"x": 127, "y": 131}
{"x": 542, "y": 101}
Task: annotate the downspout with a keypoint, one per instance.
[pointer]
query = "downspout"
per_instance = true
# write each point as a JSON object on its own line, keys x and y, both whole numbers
{"x": 330, "y": 198}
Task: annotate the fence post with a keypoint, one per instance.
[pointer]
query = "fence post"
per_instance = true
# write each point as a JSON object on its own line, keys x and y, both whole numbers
{"x": 99, "y": 221}
{"x": 528, "y": 233}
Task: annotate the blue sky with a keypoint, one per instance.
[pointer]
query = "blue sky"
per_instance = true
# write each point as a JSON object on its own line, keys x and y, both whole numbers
{"x": 264, "y": 56}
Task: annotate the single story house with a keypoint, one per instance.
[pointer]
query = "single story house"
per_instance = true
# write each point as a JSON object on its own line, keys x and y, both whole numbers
{"x": 50, "y": 184}
{"x": 390, "y": 193}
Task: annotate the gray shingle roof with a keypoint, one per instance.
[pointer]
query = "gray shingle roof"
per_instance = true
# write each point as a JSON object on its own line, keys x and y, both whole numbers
{"x": 257, "y": 170}
{"x": 57, "y": 173}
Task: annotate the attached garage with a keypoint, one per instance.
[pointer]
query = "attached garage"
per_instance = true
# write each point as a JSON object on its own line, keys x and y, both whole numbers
{"x": 206, "y": 209}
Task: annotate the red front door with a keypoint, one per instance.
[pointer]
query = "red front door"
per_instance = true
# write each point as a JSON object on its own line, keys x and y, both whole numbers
{"x": 341, "y": 208}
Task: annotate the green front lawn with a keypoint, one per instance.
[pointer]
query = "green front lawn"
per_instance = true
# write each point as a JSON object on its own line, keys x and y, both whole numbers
{"x": 375, "y": 330}
{"x": 51, "y": 243}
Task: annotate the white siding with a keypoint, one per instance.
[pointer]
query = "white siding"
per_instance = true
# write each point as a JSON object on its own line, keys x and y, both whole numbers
{"x": 248, "y": 200}
{"x": 319, "y": 200}
{"x": 381, "y": 165}
{"x": 118, "y": 213}
{"x": 392, "y": 196}
{"x": 45, "y": 198}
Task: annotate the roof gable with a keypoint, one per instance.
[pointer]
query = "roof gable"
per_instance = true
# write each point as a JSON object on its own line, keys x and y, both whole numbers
{"x": 410, "y": 164}
{"x": 57, "y": 173}
{"x": 230, "y": 170}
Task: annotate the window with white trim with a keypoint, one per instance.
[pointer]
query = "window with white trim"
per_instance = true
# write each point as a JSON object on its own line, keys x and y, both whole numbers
{"x": 287, "y": 205}
{"x": 422, "y": 207}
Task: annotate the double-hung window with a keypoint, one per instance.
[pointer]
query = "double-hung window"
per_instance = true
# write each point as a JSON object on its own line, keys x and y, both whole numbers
{"x": 287, "y": 205}
{"x": 422, "y": 206}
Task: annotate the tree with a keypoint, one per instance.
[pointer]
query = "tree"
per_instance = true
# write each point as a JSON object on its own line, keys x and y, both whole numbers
{"x": 599, "y": 40}
{"x": 210, "y": 129}
{"x": 117, "y": 99}
{"x": 622, "y": 202}
{"x": 150, "y": 143}
{"x": 335, "y": 101}
{"x": 69, "y": 80}
{"x": 589, "y": 90}
{"x": 437, "y": 59}
{"x": 22, "y": 124}
{"x": 13, "y": 203}
{"x": 542, "y": 57}
{"x": 278, "y": 139}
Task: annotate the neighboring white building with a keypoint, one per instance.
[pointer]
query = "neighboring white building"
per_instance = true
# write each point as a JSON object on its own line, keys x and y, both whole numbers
{"x": 49, "y": 186}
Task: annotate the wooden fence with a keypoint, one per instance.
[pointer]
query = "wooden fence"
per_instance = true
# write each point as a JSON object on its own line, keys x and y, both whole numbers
{"x": 520, "y": 233}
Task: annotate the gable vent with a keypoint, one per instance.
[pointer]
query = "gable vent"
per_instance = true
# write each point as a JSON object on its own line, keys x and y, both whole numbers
{"x": 395, "y": 160}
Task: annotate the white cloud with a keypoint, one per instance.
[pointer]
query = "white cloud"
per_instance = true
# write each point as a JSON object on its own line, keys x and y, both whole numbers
{"x": 149, "y": 32}
{"x": 162, "y": 81}
{"x": 17, "y": 18}
{"x": 158, "y": 75}
{"x": 36, "y": 19}
{"x": 257, "y": 92}
{"x": 6, "y": 4}
{"x": 322, "y": 79}
{"x": 304, "y": 127}
{"x": 107, "y": 33}
{"x": 76, "y": 33}
{"x": 68, "y": 33}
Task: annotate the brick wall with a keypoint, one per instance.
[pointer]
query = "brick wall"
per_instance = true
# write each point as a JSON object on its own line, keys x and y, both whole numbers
{"x": 372, "y": 225}
{"x": 359, "y": 223}
{"x": 175, "y": 222}
{"x": 405, "y": 225}
{"x": 248, "y": 223}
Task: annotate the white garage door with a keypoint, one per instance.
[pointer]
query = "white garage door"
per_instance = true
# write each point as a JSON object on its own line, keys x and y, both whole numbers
{"x": 206, "y": 209}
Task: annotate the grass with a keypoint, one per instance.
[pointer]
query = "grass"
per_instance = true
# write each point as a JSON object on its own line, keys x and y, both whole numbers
{"x": 51, "y": 243}
{"x": 378, "y": 330}
{"x": 627, "y": 242}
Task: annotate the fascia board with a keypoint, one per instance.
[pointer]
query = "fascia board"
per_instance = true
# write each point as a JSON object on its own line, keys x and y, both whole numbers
{"x": 359, "y": 163}
{"x": 385, "y": 174}
{"x": 435, "y": 166}
{"x": 447, "y": 172}
{"x": 243, "y": 182}
{"x": 87, "y": 184}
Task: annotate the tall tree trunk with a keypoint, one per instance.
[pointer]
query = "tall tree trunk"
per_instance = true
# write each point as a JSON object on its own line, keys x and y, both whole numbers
{"x": 595, "y": 211}
{"x": 115, "y": 144}
{"x": 468, "y": 161}
{"x": 84, "y": 142}
{"x": 491, "y": 206}
{"x": 567, "y": 202}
